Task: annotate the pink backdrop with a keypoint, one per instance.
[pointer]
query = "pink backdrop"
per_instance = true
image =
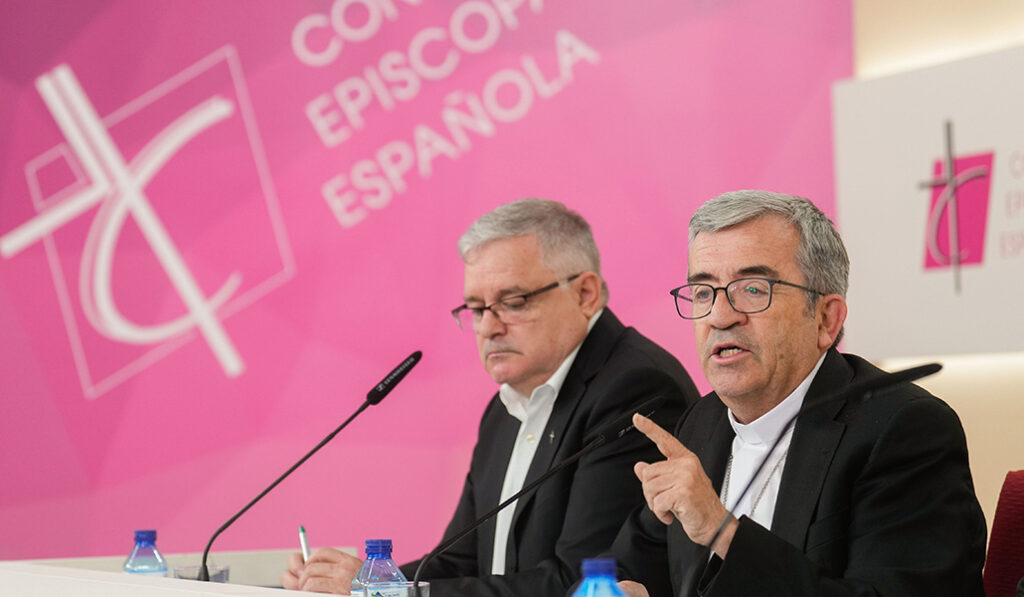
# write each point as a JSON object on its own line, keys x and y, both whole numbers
{"x": 305, "y": 205}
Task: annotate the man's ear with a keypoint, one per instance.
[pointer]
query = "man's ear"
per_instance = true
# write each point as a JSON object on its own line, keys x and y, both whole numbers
{"x": 589, "y": 287}
{"x": 831, "y": 312}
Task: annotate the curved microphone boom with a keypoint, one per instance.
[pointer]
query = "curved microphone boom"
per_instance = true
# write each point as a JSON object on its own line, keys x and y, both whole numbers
{"x": 374, "y": 396}
{"x": 614, "y": 430}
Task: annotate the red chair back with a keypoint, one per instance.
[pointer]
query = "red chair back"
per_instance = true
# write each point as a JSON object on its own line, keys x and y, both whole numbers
{"x": 1004, "y": 563}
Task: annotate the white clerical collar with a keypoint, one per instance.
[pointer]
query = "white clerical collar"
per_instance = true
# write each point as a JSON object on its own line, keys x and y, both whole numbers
{"x": 766, "y": 428}
{"x": 519, "y": 405}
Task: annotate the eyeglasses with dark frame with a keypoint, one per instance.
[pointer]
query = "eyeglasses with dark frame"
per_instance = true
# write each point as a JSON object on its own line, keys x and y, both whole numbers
{"x": 745, "y": 295}
{"x": 509, "y": 310}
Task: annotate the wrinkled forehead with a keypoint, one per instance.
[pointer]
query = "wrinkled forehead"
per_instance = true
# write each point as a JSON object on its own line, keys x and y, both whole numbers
{"x": 504, "y": 266}
{"x": 765, "y": 246}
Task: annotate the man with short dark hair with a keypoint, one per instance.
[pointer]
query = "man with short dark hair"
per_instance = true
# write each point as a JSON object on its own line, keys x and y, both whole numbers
{"x": 536, "y": 304}
{"x": 863, "y": 496}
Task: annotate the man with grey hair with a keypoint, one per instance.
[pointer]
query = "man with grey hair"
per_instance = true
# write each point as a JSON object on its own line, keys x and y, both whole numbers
{"x": 862, "y": 496}
{"x": 535, "y": 302}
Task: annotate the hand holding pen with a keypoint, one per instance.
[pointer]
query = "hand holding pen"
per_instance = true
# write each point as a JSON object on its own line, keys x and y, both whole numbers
{"x": 323, "y": 570}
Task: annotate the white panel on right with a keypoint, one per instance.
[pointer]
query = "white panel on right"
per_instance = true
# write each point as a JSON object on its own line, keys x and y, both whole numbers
{"x": 930, "y": 202}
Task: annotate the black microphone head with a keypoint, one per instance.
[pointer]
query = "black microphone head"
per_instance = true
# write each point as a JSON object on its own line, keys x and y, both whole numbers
{"x": 915, "y": 373}
{"x": 387, "y": 384}
{"x": 623, "y": 424}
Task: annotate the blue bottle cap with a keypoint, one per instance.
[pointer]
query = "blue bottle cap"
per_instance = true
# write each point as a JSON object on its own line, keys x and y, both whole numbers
{"x": 599, "y": 567}
{"x": 378, "y": 547}
{"x": 145, "y": 536}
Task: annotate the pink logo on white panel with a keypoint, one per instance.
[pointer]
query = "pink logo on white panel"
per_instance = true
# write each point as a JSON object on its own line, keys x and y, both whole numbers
{"x": 181, "y": 200}
{"x": 958, "y": 212}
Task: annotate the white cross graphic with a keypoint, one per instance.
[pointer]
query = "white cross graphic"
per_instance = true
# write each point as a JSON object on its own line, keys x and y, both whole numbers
{"x": 118, "y": 188}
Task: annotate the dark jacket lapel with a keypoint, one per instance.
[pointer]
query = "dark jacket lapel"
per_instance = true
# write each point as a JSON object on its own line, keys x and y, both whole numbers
{"x": 815, "y": 439}
{"x": 592, "y": 354}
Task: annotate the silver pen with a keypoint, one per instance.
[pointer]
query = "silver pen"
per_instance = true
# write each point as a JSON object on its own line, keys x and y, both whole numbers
{"x": 304, "y": 542}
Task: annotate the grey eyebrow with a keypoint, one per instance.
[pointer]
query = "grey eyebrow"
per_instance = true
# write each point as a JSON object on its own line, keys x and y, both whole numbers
{"x": 502, "y": 294}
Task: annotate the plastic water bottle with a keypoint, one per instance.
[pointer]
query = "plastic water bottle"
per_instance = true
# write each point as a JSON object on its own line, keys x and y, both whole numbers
{"x": 599, "y": 579}
{"x": 377, "y": 569}
{"x": 145, "y": 558}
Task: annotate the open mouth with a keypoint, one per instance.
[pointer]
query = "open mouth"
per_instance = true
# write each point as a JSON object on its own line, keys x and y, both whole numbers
{"x": 724, "y": 351}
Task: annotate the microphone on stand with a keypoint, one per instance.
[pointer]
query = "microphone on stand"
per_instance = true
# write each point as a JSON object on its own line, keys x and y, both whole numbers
{"x": 607, "y": 434}
{"x": 373, "y": 397}
{"x": 862, "y": 389}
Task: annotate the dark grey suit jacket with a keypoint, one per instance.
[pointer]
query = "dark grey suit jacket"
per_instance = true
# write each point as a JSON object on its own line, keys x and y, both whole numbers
{"x": 576, "y": 513}
{"x": 876, "y": 499}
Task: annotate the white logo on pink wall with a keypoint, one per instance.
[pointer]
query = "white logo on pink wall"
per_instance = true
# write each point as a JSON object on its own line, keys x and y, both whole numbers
{"x": 159, "y": 220}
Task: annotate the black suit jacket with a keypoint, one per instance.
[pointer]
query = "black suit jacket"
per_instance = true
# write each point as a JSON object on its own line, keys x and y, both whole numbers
{"x": 576, "y": 513}
{"x": 876, "y": 498}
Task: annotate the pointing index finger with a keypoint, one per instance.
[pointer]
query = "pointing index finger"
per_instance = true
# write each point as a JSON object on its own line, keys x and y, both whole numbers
{"x": 667, "y": 444}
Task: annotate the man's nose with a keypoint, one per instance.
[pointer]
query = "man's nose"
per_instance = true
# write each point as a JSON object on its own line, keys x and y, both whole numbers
{"x": 490, "y": 324}
{"x": 723, "y": 314}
